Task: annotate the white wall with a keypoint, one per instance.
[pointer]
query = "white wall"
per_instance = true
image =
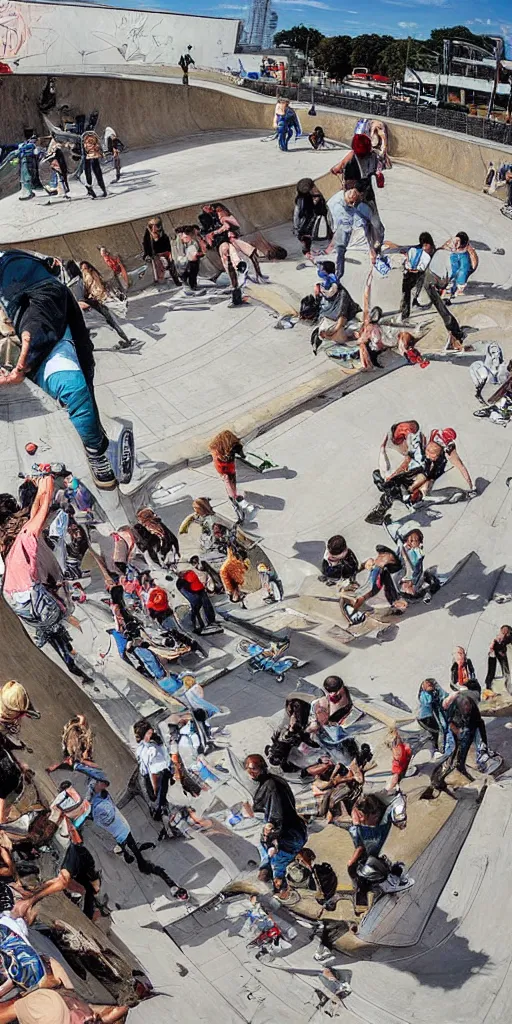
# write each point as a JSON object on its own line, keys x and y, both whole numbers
{"x": 67, "y": 37}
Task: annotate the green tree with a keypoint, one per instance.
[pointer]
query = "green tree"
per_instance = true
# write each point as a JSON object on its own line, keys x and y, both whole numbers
{"x": 300, "y": 37}
{"x": 367, "y": 50}
{"x": 414, "y": 52}
{"x": 334, "y": 56}
{"x": 458, "y": 32}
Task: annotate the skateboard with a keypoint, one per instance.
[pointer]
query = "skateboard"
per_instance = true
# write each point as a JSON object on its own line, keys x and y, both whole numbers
{"x": 261, "y": 463}
{"x": 121, "y": 453}
{"x": 371, "y": 624}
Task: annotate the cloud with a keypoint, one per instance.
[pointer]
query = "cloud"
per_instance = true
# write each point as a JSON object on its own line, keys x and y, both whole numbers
{"x": 417, "y": 3}
{"x": 299, "y": 4}
{"x": 407, "y": 24}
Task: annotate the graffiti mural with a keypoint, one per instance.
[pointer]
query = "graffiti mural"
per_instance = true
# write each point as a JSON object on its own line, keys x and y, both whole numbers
{"x": 62, "y": 36}
{"x": 14, "y": 31}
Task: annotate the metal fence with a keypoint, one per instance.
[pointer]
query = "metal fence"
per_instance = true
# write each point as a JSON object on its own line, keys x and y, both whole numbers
{"x": 436, "y": 117}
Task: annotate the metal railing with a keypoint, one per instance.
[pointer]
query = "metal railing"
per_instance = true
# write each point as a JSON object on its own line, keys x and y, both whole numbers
{"x": 435, "y": 117}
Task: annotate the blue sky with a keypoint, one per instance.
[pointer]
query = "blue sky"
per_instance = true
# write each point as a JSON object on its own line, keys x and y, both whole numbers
{"x": 399, "y": 18}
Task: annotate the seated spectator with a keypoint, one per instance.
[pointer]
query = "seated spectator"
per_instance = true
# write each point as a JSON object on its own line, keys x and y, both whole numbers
{"x": 339, "y": 562}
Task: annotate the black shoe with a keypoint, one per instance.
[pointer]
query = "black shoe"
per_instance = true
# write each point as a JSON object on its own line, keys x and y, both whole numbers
{"x": 91, "y": 192}
{"x": 128, "y": 857}
{"x": 316, "y": 340}
{"x": 104, "y": 193}
{"x": 124, "y": 343}
{"x": 101, "y": 470}
{"x": 236, "y": 298}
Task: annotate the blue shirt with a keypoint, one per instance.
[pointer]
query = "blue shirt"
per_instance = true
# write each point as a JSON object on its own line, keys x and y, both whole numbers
{"x": 106, "y": 815}
{"x": 372, "y": 837}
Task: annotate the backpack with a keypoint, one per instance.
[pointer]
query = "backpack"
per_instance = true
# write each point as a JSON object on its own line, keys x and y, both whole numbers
{"x": 309, "y": 307}
{"x": 326, "y": 879}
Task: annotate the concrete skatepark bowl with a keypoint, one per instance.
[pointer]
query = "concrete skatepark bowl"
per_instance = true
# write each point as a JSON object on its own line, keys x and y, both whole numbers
{"x": 438, "y": 951}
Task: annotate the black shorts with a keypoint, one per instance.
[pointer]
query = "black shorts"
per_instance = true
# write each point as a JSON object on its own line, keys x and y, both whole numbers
{"x": 80, "y": 864}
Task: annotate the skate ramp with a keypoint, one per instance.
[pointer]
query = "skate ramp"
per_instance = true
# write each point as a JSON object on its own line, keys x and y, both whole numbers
{"x": 150, "y": 112}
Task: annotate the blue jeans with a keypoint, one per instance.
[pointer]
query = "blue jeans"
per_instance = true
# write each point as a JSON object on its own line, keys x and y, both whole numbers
{"x": 461, "y": 270}
{"x": 465, "y": 738}
{"x": 278, "y": 863}
{"x": 70, "y": 388}
{"x": 340, "y": 260}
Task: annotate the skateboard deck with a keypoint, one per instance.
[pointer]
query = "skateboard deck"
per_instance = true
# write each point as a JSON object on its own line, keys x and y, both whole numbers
{"x": 261, "y": 463}
{"x": 282, "y": 300}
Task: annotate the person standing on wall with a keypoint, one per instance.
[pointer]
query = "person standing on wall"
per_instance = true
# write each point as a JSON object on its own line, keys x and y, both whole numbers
{"x": 184, "y": 62}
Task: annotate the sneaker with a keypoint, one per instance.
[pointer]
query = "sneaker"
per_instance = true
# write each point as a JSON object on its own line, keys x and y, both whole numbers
{"x": 179, "y": 893}
{"x": 323, "y": 955}
{"x": 102, "y": 472}
{"x": 395, "y": 884}
{"x": 437, "y": 755}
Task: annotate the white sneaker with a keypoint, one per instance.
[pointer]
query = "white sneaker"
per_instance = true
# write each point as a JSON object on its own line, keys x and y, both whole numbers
{"x": 437, "y": 755}
{"x": 394, "y": 884}
{"x": 323, "y": 955}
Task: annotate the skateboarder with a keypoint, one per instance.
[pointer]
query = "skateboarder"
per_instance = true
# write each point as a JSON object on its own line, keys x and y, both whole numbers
{"x": 310, "y": 215}
{"x": 381, "y": 571}
{"x": 56, "y": 351}
{"x": 184, "y": 63}
{"x": 465, "y": 726}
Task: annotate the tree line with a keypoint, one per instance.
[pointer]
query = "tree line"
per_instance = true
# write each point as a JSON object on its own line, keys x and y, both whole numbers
{"x": 384, "y": 55}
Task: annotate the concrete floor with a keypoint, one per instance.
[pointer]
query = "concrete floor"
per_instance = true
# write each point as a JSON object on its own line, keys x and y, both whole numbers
{"x": 165, "y": 177}
{"x": 197, "y": 372}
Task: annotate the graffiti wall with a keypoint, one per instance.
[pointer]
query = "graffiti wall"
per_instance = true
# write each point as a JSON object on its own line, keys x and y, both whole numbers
{"x": 67, "y": 36}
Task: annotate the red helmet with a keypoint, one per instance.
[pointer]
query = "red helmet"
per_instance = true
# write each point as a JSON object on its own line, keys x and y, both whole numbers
{"x": 444, "y": 437}
{"x": 361, "y": 145}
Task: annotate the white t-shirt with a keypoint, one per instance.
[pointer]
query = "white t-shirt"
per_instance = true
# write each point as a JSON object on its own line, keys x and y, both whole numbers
{"x": 16, "y": 924}
{"x": 413, "y": 262}
{"x": 440, "y": 263}
{"x": 153, "y": 758}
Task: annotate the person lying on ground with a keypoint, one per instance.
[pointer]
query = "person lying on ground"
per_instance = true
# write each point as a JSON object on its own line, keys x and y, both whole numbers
{"x": 77, "y": 869}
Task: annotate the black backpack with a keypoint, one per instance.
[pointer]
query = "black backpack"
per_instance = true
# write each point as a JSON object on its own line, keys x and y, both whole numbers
{"x": 309, "y": 307}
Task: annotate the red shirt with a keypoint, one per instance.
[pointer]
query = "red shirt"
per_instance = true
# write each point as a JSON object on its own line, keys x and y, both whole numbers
{"x": 193, "y": 581}
{"x": 402, "y": 754}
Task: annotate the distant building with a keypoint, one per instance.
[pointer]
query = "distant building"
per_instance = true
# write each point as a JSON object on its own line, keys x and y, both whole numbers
{"x": 257, "y": 26}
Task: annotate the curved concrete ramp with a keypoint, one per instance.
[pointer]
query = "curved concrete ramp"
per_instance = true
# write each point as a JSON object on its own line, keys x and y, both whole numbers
{"x": 401, "y": 921}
